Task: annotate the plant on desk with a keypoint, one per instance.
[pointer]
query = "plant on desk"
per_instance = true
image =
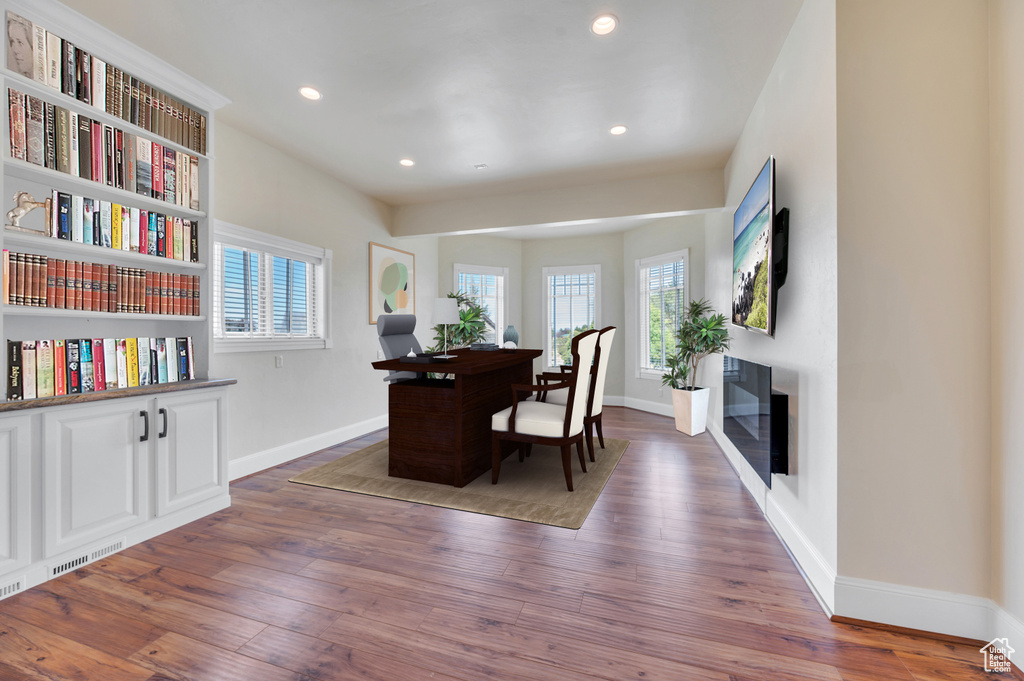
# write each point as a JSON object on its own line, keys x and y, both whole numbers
{"x": 471, "y": 327}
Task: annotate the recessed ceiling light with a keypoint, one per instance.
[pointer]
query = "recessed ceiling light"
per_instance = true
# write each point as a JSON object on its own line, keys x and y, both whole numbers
{"x": 604, "y": 24}
{"x": 480, "y": 166}
{"x": 407, "y": 162}
{"x": 617, "y": 129}
{"x": 310, "y": 92}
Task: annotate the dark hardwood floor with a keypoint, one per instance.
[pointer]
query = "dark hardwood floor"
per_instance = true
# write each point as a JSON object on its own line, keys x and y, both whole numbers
{"x": 675, "y": 575}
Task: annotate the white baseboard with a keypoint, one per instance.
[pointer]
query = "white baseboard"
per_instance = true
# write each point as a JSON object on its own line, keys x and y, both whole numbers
{"x": 646, "y": 405}
{"x": 817, "y": 572}
{"x": 925, "y": 609}
{"x": 614, "y": 400}
{"x": 275, "y": 456}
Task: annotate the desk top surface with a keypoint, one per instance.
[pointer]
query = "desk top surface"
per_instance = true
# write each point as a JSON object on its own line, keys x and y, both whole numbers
{"x": 466, "y": 361}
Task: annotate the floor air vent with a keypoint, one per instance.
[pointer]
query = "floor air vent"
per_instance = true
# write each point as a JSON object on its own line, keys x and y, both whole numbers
{"x": 11, "y": 589}
{"x": 87, "y": 557}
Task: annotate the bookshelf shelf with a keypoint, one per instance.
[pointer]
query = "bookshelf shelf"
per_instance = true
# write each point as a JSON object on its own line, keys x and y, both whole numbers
{"x": 23, "y": 84}
{"x": 179, "y": 386}
{"x": 23, "y": 170}
{"x": 91, "y": 253}
{"x": 29, "y": 311}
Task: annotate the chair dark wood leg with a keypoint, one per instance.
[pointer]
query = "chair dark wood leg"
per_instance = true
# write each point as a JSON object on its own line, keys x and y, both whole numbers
{"x": 589, "y": 427}
{"x": 567, "y": 465}
{"x": 579, "y": 451}
{"x": 527, "y": 447}
{"x": 522, "y": 451}
{"x": 600, "y": 433}
{"x": 495, "y": 458}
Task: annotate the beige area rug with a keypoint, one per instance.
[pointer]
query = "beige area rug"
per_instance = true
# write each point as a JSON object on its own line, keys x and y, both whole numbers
{"x": 533, "y": 490}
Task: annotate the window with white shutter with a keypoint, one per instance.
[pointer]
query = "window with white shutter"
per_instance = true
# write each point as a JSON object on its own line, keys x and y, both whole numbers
{"x": 270, "y": 293}
{"x": 662, "y": 285}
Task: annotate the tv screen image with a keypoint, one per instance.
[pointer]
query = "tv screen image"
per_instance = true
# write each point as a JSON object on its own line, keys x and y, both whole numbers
{"x": 752, "y": 284}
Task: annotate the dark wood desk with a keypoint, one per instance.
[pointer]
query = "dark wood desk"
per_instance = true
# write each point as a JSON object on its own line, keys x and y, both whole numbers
{"x": 440, "y": 429}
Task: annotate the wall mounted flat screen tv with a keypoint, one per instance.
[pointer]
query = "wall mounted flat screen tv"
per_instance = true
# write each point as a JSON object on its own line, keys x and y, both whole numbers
{"x": 753, "y": 280}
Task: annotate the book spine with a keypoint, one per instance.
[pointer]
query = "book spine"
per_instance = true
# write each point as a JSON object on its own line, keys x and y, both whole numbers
{"x": 64, "y": 216}
{"x": 132, "y": 361}
{"x": 86, "y": 363}
{"x": 108, "y": 90}
{"x": 109, "y": 171}
{"x": 68, "y": 85}
{"x": 118, "y": 158}
{"x": 7, "y": 277}
{"x": 115, "y": 289}
{"x": 194, "y": 242}
{"x": 115, "y": 225}
{"x": 133, "y": 229}
{"x": 172, "y": 360}
{"x": 59, "y": 284}
{"x": 161, "y": 235}
{"x": 170, "y": 191}
{"x": 193, "y": 177}
{"x": 44, "y": 368}
{"x": 51, "y": 282}
{"x": 77, "y": 222}
{"x": 157, "y": 161}
{"x": 106, "y": 224}
{"x": 130, "y": 162}
{"x": 74, "y": 368}
{"x": 18, "y": 283}
{"x": 28, "y": 369}
{"x": 35, "y": 131}
{"x": 53, "y": 61}
{"x": 110, "y": 367}
{"x": 99, "y": 364}
{"x": 99, "y": 83}
{"x": 87, "y": 221}
{"x": 191, "y": 358}
{"x": 126, "y": 232}
{"x": 14, "y": 390}
{"x": 87, "y": 268}
{"x": 50, "y": 135}
{"x": 73, "y": 144}
{"x": 19, "y": 140}
{"x": 39, "y": 53}
{"x": 179, "y": 246}
{"x": 122, "y": 364}
{"x": 98, "y": 164}
{"x": 143, "y": 361}
{"x": 151, "y": 237}
{"x": 182, "y": 359}
{"x": 85, "y": 147}
{"x": 161, "y": 360}
{"x": 63, "y": 139}
{"x": 60, "y": 367}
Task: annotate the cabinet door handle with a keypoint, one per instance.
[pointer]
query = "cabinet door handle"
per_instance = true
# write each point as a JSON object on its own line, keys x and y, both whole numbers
{"x": 145, "y": 420}
{"x": 163, "y": 431}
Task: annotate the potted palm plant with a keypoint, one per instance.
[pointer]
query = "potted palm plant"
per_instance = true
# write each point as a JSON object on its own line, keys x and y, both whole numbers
{"x": 702, "y": 332}
{"x": 471, "y": 327}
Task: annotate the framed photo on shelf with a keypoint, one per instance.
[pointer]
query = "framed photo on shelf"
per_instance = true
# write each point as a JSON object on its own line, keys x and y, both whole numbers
{"x": 392, "y": 281}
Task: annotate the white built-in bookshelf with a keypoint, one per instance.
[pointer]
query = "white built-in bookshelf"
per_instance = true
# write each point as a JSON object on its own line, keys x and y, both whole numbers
{"x": 84, "y": 475}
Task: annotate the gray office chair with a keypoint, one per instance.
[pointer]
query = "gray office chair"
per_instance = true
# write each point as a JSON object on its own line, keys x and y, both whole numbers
{"x": 396, "y": 339}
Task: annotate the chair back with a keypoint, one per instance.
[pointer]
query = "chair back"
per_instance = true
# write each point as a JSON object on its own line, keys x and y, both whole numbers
{"x": 397, "y": 340}
{"x": 396, "y": 337}
{"x": 583, "y": 348}
{"x": 601, "y": 360}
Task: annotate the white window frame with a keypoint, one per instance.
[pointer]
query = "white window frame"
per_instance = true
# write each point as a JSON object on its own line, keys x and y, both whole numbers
{"x": 643, "y": 306}
{"x": 548, "y": 272}
{"x": 501, "y": 320}
{"x": 236, "y": 236}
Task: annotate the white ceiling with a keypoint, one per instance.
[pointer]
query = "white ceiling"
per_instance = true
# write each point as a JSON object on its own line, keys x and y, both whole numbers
{"x": 521, "y": 85}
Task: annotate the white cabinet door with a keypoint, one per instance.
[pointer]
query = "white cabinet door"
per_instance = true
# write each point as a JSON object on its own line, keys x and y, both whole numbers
{"x": 15, "y": 493}
{"x": 96, "y": 472}
{"x": 191, "y": 456}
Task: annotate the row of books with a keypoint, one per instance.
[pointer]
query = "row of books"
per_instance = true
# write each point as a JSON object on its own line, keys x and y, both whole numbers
{"x": 50, "y": 368}
{"x": 39, "y": 281}
{"x": 55, "y": 62}
{"x": 51, "y": 136}
{"x": 111, "y": 225}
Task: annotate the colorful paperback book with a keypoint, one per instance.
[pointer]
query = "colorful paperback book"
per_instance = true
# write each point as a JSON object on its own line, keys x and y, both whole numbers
{"x": 77, "y": 219}
{"x": 144, "y": 368}
{"x": 28, "y": 369}
{"x": 178, "y": 245}
{"x": 99, "y": 364}
{"x": 74, "y": 373}
{"x": 133, "y": 229}
{"x": 60, "y": 368}
{"x": 126, "y": 230}
{"x": 143, "y": 230}
{"x": 88, "y": 211}
{"x": 151, "y": 239}
{"x": 154, "y": 364}
{"x": 86, "y": 362}
{"x": 115, "y": 225}
{"x": 161, "y": 360}
{"x": 63, "y": 216}
{"x": 182, "y": 359}
{"x": 110, "y": 363}
{"x": 132, "y": 349}
{"x": 191, "y": 359}
{"x": 106, "y": 224}
{"x": 44, "y": 368}
{"x": 122, "y": 364}
{"x": 172, "y": 359}
{"x": 14, "y": 374}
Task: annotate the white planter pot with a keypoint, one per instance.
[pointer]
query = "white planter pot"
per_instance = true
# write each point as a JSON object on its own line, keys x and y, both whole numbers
{"x": 691, "y": 410}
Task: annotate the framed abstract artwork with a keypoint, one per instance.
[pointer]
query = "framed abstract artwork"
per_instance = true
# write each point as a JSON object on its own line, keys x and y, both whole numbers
{"x": 392, "y": 281}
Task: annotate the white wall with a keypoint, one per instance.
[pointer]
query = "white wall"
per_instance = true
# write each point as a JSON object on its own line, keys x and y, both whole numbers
{"x": 318, "y": 393}
{"x": 692, "y": 191}
{"x": 794, "y": 119}
{"x": 605, "y": 250}
{"x": 664, "y": 236}
{"x": 1006, "y": 54}
{"x": 492, "y": 251}
{"x": 914, "y": 314}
